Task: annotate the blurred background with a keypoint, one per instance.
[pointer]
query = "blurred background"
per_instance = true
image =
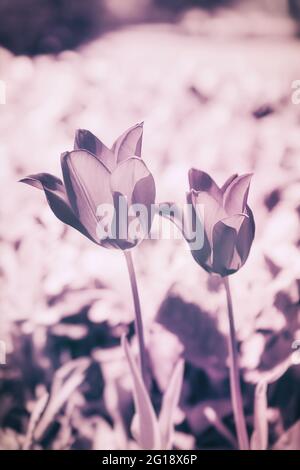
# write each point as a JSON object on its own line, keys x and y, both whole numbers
{"x": 213, "y": 82}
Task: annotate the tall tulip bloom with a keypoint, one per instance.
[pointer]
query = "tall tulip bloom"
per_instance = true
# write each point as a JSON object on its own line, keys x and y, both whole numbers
{"x": 229, "y": 230}
{"x": 96, "y": 177}
{"x": 228, "y": 221}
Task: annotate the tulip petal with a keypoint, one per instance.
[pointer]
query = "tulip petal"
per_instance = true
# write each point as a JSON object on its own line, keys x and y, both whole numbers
{"x": 236, "y": 194}
{"x": 57, "y": 199}
{"x": 120, "y": 224}
{"x": 133, "y": 179}
{"x": 45, "y": 180}
{"x": 201, "y": 256}
{"x": 86, "y": 140}
{"x": 235, "y": 221}
{"x": 87, "y": 184}
{"x": 146, "y": 424}
{"x": 201, "y": 181}
{"x": 144, "y": 191}
{"x": 246, "y": 235}
{"x": 212, "y": 210}
{"x": 228, "y": 182}
{"x": 129, "y": 144}
{"x": 224, "y": 239}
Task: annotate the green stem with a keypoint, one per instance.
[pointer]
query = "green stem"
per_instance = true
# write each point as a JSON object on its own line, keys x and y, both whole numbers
{"x": 235, "y": 386}
{"x": 138, "y": 315}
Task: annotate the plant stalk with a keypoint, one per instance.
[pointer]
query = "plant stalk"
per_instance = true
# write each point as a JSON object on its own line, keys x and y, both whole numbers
{"x": 235, "y": 386}
{"x": 138, "y": 315}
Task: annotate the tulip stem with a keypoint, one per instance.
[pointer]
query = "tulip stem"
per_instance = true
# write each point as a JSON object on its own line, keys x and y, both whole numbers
{"x": 235, "y": 386}
{"x": 138, "y": 315}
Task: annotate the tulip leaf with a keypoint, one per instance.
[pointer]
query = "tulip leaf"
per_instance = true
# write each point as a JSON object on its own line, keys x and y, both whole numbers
{"x": 278, "y": 371}
{"x": 259, "y": 439}
{"x": 169, "y": 404}
{"x": 34, "y": 419}
{"x": 145, "y": 427}
{"x": 290, "y": 440}
{"x": 66, "y": 380}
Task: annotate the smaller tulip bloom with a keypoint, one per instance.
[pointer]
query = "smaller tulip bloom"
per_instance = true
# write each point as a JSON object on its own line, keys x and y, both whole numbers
{"x": 96, "y": 177}
{"x": 227, "y": 221}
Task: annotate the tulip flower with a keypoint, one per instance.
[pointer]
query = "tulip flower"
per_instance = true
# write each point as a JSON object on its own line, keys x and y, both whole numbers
{"x": 228, "y": 221}
{"x": 96, "y": 179}
{"x": 228, "y": 235}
